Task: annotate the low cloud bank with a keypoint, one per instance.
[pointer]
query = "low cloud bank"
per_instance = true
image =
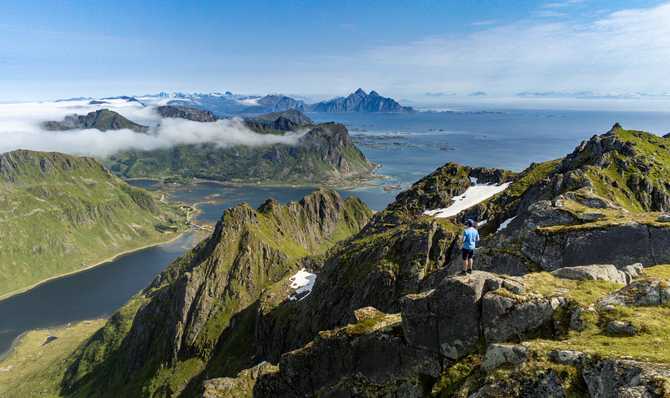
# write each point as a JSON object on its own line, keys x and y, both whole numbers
{"x": 21, "y": 128}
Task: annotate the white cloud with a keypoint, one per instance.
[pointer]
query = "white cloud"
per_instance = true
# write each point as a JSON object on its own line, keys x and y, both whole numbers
{"x": 624, "y": 51}
{"x": 20, "y": 128}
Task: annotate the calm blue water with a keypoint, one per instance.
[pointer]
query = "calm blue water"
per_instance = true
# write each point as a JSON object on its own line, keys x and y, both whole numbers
{"x": 88, "y": 294}
{"x": 407, "y": 146}
{"x": 506, "y": 139}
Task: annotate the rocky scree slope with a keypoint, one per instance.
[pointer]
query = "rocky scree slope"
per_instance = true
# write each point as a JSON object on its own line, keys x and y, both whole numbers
{"x": 60, "y": 213}
{"x": 194, "y": 318}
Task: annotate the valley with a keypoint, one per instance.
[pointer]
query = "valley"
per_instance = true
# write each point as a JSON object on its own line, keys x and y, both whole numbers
{"x": 335, "y": 199}
{"x": 237, "y": 331}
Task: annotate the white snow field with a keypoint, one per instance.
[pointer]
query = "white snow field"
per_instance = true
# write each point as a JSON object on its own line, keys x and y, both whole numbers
{"x": 474, "y": 195}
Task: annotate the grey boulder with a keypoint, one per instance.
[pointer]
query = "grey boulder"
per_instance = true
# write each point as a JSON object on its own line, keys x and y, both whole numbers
{"x": 600, "y": 272}
{"x": 500, "y": 354}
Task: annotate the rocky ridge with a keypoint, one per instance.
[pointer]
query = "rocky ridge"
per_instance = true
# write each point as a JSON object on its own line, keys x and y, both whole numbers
{"x": 185, "y": 321}
{"x": 388, "y": 317}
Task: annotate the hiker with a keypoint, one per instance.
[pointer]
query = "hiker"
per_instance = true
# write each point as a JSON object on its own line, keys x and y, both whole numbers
{"x": 470, "y": 239}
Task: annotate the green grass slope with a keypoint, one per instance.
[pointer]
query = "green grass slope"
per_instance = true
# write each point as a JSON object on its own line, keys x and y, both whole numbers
{"x": 167, "y": 337}
{"x": 60, "y": 213}
{"x": 324, "y": 155}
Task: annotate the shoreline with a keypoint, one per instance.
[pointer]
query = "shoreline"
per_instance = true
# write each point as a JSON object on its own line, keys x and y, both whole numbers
{"x": 114, "y": 257}
{"x": 366, "y": 181}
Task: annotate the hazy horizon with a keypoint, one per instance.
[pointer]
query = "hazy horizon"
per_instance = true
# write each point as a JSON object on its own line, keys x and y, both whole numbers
{"x": 574, "y": 53}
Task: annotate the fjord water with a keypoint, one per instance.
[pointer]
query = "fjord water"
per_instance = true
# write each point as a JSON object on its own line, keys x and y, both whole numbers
{"x": 408, "y": 146}
{"x": 411, "y": 145}
{"x": 88, "y": 294}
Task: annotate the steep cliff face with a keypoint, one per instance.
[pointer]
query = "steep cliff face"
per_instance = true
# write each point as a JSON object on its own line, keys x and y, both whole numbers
{"x": 325, "y": 154}
{"x": 60, "y": 213}
{"x": 182, "y": 320}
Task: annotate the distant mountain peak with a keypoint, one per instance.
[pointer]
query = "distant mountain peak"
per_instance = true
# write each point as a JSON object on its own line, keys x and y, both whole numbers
{"x": 102, "y": 119}
{"x": 359, "y": 101}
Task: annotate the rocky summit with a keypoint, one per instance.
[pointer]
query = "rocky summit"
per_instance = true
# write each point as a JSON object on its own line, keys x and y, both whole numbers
{"x": 360, "y": 101}
{"x": 321, "y": 298}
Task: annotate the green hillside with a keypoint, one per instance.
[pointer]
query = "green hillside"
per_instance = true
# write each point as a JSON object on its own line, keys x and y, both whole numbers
{"x": 61, "y": 213}
{"x": 323, "y": 155}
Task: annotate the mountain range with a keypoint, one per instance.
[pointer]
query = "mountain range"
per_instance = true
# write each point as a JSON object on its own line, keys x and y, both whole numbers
{"x": 231, "y": 104}
{"x": 323, "y": 298}
{"x": 322, "y": 153}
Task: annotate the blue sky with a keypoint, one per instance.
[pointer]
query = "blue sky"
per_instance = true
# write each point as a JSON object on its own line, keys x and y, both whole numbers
{"x": 418, "y": 50}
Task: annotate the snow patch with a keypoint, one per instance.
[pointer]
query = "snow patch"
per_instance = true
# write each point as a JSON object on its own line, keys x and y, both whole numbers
{"x": 505, "y": 224}
{"x": 302, "y": 282}
{"x": 473, "y": 180}
{"x": 249, "y": 101}
{"x": 472, "y": 196}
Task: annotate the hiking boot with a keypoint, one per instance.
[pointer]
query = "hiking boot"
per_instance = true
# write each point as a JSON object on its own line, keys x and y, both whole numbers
{"x": 463, "y": 272}
{"x": 470, "y": 271}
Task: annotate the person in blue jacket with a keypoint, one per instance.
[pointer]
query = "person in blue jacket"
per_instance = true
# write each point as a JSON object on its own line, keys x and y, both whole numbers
{"x": 470, "y": 240}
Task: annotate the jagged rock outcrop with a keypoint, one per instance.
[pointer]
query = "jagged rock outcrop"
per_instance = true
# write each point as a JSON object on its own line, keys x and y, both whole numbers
{"x": 372, "y": 270}
{"x": 185, "y": 112}
{"x": 102, "y": 119}
{"x": 185, "y": 314}
{"x": 483, "y": 313}
{"x": 506, "y": 316}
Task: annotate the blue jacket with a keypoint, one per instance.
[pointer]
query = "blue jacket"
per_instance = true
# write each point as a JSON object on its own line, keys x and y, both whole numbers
{"x": 470, "y": 238}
